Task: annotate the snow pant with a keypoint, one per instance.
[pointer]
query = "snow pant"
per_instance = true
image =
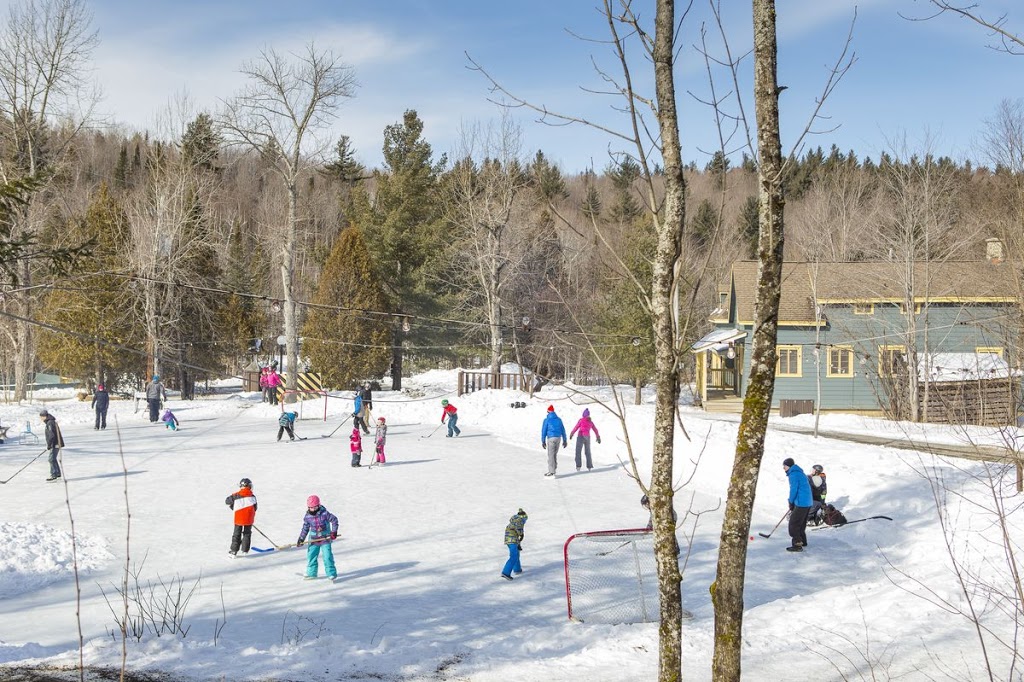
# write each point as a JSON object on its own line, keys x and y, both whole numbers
{"x": 313, "y": 550}
{"x": 357, "y": 456}
{"x": 266, "y": 394}
{"x": 513, "y": 561}
{"x": 241, "y": 538}
{"x": 101, "y": 419}
{"x": 552, "y": 446}
{"x": 816, "y": 508}
{"x": 359, "y": 423}
{"x": 798, "y": 525}
{"x": 273, "y": 395}
{"x": 380, "y": 453}
{"x": 453, "y": 430}
{"x": 583, "y": 443}
{"x": 54, "y": 464}
{"x": 282, "y": 429}
{"x": 171, "y": 424}
{"x": 154, "y": 409}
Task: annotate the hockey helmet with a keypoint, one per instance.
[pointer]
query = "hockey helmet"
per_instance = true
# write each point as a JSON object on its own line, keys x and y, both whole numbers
{"x": 312, "y": 502}
{"x": 818, "y": 468}
{"x": 381, "y": 419}
{"x": 645, "y": 501}
{"x": 245, "y": 483}
{"x": 444, "y": 403}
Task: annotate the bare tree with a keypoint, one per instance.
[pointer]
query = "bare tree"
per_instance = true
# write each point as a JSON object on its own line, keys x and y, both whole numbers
{"x": 278, "y": 115}
{"x": 485, "y": 188}
{"x": 45, "y": 48}
{"x": 1008, "y": 40}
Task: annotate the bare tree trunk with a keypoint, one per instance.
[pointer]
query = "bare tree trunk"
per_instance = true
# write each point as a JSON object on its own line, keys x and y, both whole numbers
{"x": 291, "y": 327}
{"x": 732, "y": 556}
{"x": 666, "y": 375}
{"x": 397, "y": 358}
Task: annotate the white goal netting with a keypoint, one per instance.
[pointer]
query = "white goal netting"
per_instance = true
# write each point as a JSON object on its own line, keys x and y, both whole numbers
{"x": 611, "y": 577}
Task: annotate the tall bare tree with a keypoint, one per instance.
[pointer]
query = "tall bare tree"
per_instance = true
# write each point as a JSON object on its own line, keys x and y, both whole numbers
{"x": 288, "y": 101}
{"x": 45, "y": 48}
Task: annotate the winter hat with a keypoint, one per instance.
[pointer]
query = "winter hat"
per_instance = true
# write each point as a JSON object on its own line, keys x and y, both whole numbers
{"x": 521, "y": 512}
{"x": 43, "y": 412}
{"x": 586, "y": 412}
{"x": 99, "y": 387}
{"x": 380, "y": 419}
{"x": 312, "y": 502}
{"x": 156, "y": 377}
{"x": 788, "y": 462}
{"x": 551, "y": 408}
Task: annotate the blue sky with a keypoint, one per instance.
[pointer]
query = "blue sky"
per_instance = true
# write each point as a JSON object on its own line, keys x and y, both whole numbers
{"x": 932, "y": 80}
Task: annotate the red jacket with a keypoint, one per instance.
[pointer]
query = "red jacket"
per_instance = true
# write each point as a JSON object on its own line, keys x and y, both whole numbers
{"x": 449, "y": 410}
{"x": 244, "y": 504}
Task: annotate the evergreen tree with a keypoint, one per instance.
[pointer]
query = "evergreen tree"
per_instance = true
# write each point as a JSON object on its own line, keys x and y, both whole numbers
{"x": 717, "y": 168}
{"x": 200, "y": 144}
{"x": 747, "y": 226}
{"x": 625, "y": 210}
{"x": 403, "y": 227}
{"x": 95, "y": 307}
{"x": 703, "y": 224}
{"x": 348, "y": 346}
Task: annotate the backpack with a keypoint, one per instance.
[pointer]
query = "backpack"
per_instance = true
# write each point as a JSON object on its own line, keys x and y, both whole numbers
{"x": 833, "y": 517}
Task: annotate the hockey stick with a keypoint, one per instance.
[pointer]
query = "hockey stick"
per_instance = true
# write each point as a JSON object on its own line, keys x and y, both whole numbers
{"x": 265, "y": 535}
{"x": 434, "y": 431}
{"x": 840, "y": 525}
{"x": 776, "y": 526}
{"x": 26, "y": 466}
{"x": 336, "y": 430}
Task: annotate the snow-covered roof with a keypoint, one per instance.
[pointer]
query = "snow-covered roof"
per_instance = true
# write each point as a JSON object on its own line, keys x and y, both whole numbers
{"x": 716, "y": 337}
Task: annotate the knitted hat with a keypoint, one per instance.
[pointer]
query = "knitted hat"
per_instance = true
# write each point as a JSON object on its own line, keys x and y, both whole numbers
{"x": 43, "y": 412}
{"x": 788, "y": 462}
{"x": 586, "y": 412}
{"x": 312, "y": 502}
{"x": 551, "y": 408}
{"x": 99, "y": 387}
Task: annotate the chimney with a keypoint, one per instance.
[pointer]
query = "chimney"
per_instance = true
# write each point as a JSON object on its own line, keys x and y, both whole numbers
{"x": 994, "y": 250}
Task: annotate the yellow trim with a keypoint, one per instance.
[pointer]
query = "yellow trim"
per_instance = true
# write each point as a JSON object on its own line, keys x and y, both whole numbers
{"x": 924, "y": 299}
{"x": 828, "y": 367}
{"x": 790, "y": 323}
{"x": 719, "y": 320}
{"x": 990, "y": 349}
{"x": 917, "y": 308}
{"x": 882, "y": 351}
{"x": 871, "y": 311}
{"x": 799, "y": 361}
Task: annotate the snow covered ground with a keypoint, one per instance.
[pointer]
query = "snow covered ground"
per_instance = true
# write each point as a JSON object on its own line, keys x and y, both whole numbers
{"x": 421, "y": 547}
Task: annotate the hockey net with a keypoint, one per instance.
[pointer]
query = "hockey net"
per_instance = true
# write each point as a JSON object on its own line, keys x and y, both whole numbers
{"x": 611, "y": 577}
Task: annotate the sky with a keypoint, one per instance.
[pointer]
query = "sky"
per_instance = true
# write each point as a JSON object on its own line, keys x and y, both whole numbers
{"x": 421, "y": 545}
{"x": 932, "y": 83}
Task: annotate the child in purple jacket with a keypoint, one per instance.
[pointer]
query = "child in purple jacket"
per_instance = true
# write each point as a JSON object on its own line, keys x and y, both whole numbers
{"x": 322, "y": 528}
{"x": 584, "y": 426}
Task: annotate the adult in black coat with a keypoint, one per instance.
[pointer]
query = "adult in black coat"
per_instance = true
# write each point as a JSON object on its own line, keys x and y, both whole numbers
{"x": 367, "y": 395}
{"x": 54, "y": 442}
{"x": 100, "y": 403}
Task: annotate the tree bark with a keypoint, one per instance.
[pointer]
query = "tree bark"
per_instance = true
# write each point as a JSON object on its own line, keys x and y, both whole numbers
{"x": 727, "y": 595}
{"x": 666, "y": 376}
{"x": 291, "y": 327}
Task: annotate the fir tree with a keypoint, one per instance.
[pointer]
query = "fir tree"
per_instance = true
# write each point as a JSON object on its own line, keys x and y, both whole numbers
{"x": 351, "y": 345}
{"x": 703, "y": 224}
{"x": 748, "y": 226}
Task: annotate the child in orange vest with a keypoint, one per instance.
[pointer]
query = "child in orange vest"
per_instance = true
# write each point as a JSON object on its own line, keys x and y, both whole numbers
{"x": 244, "y": 504}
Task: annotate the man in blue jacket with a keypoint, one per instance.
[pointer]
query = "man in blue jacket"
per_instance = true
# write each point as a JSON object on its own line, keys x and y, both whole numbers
{"x": 551, "y": 432}
{"x": 799, "y": 504}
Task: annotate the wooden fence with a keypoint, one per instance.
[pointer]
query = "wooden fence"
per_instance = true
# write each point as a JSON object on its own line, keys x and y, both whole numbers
{"x": 477, "y": 381}
{"x": 988, "y": 402}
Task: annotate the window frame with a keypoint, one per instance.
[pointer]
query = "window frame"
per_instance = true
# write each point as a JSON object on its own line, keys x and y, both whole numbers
{"x": 779, "y": 348}
{"x": 870, "y": 308}
{"x": 883, "y": 353}
{"x": 903, "y": 308}
{"x": 828, "y": 367}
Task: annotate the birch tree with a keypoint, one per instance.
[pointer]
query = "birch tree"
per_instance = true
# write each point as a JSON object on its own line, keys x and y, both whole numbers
{"x": 45, "y": 50}
{"x": 289, "y": 100}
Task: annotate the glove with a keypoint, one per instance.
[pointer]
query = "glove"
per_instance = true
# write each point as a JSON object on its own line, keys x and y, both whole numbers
{"x": 300, "y": 542}
{"x": 334, "y": 536}
{"x": 519, "y": 547}
{"x": 791, "y": 506}
{"x": 565, "y": 444}
{"x": 599, "y": 440}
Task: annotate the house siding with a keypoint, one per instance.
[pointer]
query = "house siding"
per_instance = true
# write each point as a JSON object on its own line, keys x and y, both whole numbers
{"x": 952, "y": 327}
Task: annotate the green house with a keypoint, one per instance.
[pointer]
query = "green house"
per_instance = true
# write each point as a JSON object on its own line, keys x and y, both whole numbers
{"x": 851, "y": 334}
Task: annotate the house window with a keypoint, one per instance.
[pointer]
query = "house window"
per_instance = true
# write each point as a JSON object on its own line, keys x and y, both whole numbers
{"x": 840, "y": 361}
{"x": 903, "y": 308}
{"x": 789, "y": 361}
{"x": 863, "y": 308}
{"x": 995, "y": 350}
{"x": 891, "y": 360}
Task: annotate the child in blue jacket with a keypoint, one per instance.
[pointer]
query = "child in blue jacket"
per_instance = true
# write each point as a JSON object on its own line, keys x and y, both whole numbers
{"x": 286, "y": 422}
{"x": 514, "y": 542}
{"x": 322, "y": 528}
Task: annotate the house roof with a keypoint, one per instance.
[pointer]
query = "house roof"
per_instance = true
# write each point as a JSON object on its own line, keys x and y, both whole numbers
{"x": 873, "y": 282}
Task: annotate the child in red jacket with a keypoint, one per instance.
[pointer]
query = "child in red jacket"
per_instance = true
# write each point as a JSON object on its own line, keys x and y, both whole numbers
{"x": 244, "y": 504}
{"x": 355, "y": 444}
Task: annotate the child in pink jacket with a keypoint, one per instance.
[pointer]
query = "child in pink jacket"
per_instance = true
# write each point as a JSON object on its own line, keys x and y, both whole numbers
{"x": 355, "y": 443}
{"x": 584, "y": 426}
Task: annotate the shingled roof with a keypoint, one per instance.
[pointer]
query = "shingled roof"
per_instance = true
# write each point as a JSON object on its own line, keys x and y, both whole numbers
{"x": 873, "y": 282}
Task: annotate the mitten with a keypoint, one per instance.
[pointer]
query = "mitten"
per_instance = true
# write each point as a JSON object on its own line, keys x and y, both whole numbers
{"x": 300, "y": 542}
{"x": 791, "y": 506}
{"x": 519, "y": 547}
{"x": 334, "y": 536}
{"x": 599, "y": 440}
{"x": 565, "y": 444}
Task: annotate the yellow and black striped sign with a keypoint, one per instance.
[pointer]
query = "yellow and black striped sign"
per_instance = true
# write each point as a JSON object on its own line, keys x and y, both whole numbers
{"x": 311, "y": 385}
